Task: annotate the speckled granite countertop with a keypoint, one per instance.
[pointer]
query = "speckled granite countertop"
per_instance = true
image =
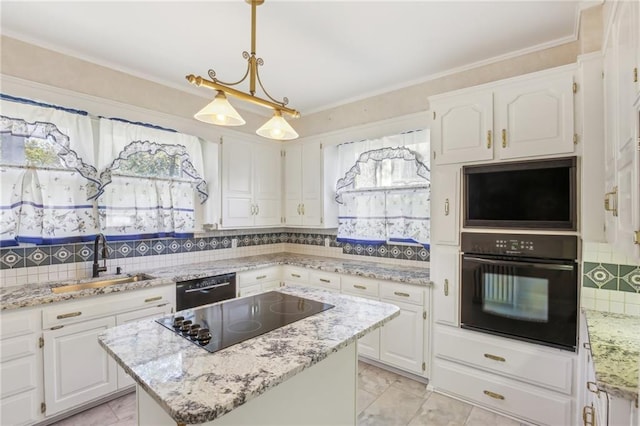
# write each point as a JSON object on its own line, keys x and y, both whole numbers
{"x": 615, "y": 346}
{"x": 40, "y": 294}
{"x": 195, "y": 386}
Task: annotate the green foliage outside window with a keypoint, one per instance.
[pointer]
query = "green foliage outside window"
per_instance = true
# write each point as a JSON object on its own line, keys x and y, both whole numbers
{"x": 159, "y": 164}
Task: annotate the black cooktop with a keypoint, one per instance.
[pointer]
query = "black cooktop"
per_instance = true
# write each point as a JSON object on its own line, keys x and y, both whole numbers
{"x": 219, "y": 326}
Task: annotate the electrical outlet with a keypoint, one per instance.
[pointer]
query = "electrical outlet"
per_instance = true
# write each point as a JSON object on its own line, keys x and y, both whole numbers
{"x": 327, "y": 242}
{"x": 234, "y": 243}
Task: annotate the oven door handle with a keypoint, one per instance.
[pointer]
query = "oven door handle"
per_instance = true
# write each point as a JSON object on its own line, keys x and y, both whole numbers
{"x": 552, "y": 266}
{"x": 191, "y": 290}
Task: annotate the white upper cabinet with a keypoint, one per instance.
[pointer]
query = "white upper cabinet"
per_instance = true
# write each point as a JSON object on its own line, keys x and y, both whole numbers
{"x": 462, "y": 128}
{"x": 526, "y": 116}
{"x": 535, "y": 117}
{"x": 622, "y": 134}
{"x": 309, "y": 185}
{"x": 251, "y": 183}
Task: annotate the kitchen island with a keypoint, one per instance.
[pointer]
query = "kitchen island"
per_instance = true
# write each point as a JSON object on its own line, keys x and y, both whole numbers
{"x": 301, "y": 373}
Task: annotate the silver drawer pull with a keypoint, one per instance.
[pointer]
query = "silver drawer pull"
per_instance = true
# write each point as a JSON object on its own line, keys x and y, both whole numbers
{"x": 152, "y": 299}
{"x": 360, "y": 287}
{"x": 494, "y": 357}
{"x": 399, "y": 293}
{"x": 69, "y": 315}
{"x": 446, "y": 287}
{"x": 295, "y": 276}
{"x": 493, "y": 395}
{"x": 324, "y": 280}
{"x": 261, "y": 277}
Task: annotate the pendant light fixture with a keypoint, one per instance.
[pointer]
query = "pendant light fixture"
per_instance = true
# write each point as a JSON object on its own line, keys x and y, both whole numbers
{"x": 220, "y": 112}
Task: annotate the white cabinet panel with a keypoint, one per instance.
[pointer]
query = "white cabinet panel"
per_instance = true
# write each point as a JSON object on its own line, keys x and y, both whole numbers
{"x": 401, "y": 339}
{"x": 76, "y": 368}
{"x": 21, "y": 409}
{"x": 251, "y": 183}
{"x": 445, "y": 205}
{"x": 445, "y": 272}
{"x": 535, "y": 117}
{"x": 462, "y": 127}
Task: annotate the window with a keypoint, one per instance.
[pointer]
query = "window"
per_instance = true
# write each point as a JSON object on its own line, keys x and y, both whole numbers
{"x": 47, "y": 188}
{"x": 384, "y": 194}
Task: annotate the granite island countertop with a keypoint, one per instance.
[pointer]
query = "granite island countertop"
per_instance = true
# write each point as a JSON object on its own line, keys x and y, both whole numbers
{"x": 615, "y": 348}
{"x": 195, "y": 386}
{"x": 31, "y": 295}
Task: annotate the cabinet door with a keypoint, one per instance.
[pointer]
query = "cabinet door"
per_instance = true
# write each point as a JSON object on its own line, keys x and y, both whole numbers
{"x": 535, "y": 118}
{"x": 445, "y": 270}
{"x": 311, "y": 184}
{"x": 237, "y": 183}
{"x": 76, "y": 368}
{"x": 293, "y": 185}
{"x": 626, "y": 36}
{"x": 445, "y": 202}
{"x": 462, "y": 128}
{"x": 267, "y": 178}
{"x": 401, "y": 339}
{"x": 124, "y": 380}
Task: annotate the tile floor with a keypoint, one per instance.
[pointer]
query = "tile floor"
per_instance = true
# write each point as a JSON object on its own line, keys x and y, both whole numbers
{"x": 384, "y": 399}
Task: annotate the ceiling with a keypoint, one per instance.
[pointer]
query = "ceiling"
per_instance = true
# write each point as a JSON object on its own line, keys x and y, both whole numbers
{"x": 319, "y": 54}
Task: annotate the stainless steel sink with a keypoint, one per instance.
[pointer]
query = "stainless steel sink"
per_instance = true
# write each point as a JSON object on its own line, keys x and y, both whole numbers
{"x": 101, "y": 283}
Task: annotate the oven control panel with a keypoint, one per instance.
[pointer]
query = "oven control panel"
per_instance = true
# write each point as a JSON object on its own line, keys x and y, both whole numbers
{"x": 550, "y": 246}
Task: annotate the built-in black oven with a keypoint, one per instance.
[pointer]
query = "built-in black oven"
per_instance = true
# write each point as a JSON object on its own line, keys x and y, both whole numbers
{"x": 521, "y": 286}
{"x": 534, "y": 194}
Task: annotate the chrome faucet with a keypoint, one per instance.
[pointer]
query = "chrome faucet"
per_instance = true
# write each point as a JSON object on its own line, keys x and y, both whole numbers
{"x": 97, "y": 269}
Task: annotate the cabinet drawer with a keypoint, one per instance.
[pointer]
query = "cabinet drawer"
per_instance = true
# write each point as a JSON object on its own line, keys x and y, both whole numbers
{"x": 402, "y": 293}
{"x": 360, "y": 286}
{"x": 258, "y": 276}
{"x": 293, "y": 274}
{"x": 517, "y": 399}
{"x": 250, "y": 290}
{"x": 19, "y": 324}
{"x": 537, "y": 367}
{"x": 17, "y": 376}
{"x": 325, "y": 280}
{"x": 101, "y": 306}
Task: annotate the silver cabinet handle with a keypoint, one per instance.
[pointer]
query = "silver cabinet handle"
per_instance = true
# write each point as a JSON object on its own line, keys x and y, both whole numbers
{"x": 446, "y": 207}
{"x": 299, "y": 209}
{"x": 446, "y": 287}
{"x": 401, "y": 294}
{"x": 257, "y": 209}
{"x": 360, "y": 287}
{"x": 295, "y": 276}
{"x": 69, "y": 315}
{"x": 261, "y": 277}
{"x": 324, "y": 280}
{"x": 152, "y": 299}
{"x": 303, "y": 209}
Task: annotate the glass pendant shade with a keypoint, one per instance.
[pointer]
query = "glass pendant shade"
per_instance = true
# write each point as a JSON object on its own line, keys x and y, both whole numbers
{"x": 220, "y": 112}
{"x": 277, "y": 128}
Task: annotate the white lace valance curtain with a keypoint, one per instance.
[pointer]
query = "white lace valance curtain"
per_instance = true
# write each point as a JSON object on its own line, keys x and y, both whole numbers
{"x": 384, "y": 193}
{"x": 144, "y": 206}
{"x": 46, "y": 202}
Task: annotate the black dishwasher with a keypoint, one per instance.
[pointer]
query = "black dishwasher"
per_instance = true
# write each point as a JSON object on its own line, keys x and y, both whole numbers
{"x": 204, "y": 291}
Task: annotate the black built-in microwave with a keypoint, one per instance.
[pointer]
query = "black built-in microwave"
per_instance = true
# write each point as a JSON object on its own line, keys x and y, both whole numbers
{"x": 536, "y": 194}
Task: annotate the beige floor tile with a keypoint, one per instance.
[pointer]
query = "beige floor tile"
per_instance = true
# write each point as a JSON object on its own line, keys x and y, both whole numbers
{"x": 375, "y": 380}
{"x": 97, "y": 416}
{"x": 393, "y": 407}
{"x": 439, "y": 410}
{"x": 363, "y": 400}
{"x": 480, "y": 417}
{"x": 411, "y": 386}
{"x": 124, "y": 407}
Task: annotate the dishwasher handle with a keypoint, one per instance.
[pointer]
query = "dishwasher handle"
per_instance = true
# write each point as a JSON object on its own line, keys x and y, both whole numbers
{"x": 209, "y": 287}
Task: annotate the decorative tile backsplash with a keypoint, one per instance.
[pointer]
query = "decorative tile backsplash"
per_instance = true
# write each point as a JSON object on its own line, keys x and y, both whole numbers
{"x": 607, "y": 276}
{"x": 25, "y": 257}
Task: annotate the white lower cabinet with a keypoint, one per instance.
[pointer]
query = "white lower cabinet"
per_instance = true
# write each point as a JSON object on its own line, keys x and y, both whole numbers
{"x": 523, "y": 380}
{"x": 21, "y": 388}
{"x": 258, "y": 281}
{"x": 369, "y": 345}
{"x": 124, "y": 380}
{"x": 401, "y": 339}
{"x": 76, "y": 368}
